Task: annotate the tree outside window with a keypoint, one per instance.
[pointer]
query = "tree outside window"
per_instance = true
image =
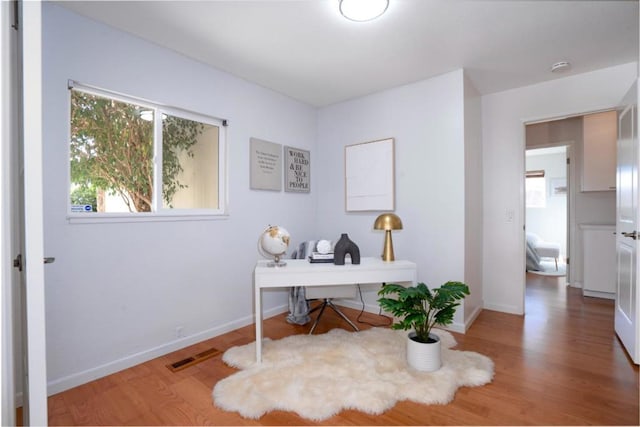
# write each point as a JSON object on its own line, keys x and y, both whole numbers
{"x": 115, "y": 158}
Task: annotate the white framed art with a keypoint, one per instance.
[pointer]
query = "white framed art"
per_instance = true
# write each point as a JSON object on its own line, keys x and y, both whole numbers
{"x": 369, "y": 169}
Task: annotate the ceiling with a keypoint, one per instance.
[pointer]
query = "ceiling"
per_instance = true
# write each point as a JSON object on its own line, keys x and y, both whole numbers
{"x": 306, "y": 50}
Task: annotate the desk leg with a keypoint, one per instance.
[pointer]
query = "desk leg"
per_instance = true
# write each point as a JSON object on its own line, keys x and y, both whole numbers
{"x": 258, "y": 299}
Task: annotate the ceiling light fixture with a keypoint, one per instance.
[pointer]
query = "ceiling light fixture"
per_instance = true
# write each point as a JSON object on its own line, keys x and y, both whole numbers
{"x": 561, "y": 66}
{"x": 363, "y": 10}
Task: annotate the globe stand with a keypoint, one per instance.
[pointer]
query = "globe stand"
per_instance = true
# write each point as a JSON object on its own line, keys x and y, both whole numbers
{"x": 277, "y": 262}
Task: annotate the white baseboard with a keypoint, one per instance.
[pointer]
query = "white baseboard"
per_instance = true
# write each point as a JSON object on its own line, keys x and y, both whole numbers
{"x": 375, "y": 309}
{"x": 65, "y": 383}
{"x": 598, "y": 294}
{"x": 454, "y": 327}
{"x": 510, "y": 309}
{"x": 474, "y": 315}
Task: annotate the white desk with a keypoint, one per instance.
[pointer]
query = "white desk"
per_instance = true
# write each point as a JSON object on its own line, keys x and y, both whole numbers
{"x": 300, "y": 272}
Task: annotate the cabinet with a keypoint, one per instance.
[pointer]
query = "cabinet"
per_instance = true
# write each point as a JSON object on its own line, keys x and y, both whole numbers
{"x": 599, "y": 151}
{"x": 599, "y": 255}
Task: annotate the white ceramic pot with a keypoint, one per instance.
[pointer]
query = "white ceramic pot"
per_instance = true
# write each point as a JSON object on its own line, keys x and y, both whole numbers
{"x": 424, "y": 356}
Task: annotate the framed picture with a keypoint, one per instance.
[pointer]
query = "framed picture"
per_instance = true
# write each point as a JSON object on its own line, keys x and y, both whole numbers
{"x": 370, "y": 176}
{"x": 298, "y": 170}
{"x": 557, "y": 187}
{"x": 266, "y": 165}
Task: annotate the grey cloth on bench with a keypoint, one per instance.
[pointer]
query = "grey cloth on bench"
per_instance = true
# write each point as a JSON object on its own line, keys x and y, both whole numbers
{"x": 537, "y": 249}
{"x": 298, "y": 304}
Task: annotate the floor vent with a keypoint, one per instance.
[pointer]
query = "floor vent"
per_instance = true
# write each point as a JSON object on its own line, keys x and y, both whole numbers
{"x": 193, "y": 360}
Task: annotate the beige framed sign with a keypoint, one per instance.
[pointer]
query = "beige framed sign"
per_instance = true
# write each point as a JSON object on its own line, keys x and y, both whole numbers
{"x": 266, "y": 165}
{"x": 297, "y": 175}
{"x": 369, "y": 169}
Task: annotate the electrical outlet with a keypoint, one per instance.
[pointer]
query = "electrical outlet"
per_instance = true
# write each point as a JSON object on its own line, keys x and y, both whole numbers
{"x": 509, "y": 215}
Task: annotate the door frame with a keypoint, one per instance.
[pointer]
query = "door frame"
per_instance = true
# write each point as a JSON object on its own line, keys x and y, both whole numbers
{"x": 525, "y": 123}
{"x": 8, "y": 239}
{"x": 34, "y": 393}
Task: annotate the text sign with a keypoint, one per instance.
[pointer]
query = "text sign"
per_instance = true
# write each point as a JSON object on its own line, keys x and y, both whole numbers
{"x": 266, "y": 165}
{"x": 298, "y": 170}
{"x": 81, "y": 208}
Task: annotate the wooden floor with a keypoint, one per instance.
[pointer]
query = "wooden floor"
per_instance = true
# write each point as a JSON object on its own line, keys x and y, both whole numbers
{"x": 561, "y": 364}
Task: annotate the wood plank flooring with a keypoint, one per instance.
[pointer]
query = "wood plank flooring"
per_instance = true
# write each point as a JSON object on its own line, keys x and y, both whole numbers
{"x": 561, "y": 364}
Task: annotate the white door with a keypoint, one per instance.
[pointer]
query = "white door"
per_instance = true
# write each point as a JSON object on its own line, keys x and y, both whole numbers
{"x": 31, "y": 215}
{"x": 626, "y": 304}
{"x": 568, "y": 222}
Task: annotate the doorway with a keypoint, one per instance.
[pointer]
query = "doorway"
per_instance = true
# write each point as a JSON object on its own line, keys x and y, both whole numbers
{"x": 546, "y": 210}
{"x": 589, "y": 140}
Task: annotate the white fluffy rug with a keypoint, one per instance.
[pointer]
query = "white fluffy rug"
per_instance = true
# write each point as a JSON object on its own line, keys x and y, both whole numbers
{"x": 317, "y": 376}
{"x": 549, "y": 269}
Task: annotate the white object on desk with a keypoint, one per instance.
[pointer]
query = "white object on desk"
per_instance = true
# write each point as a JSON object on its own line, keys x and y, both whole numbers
{"x": 300, "y": 272}
{"x": 323, "y": 246}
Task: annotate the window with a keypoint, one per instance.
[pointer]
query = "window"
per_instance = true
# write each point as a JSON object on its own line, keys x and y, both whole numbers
{"x": 536, "y": 189}
{"x": 130, "y": 157}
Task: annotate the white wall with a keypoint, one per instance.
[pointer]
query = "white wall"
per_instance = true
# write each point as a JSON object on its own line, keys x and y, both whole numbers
{"x": 503, "y": 117}
{"x": 473, "y": 201}
{"x": 118, "y": 291}
{"x": 427, "y": 120}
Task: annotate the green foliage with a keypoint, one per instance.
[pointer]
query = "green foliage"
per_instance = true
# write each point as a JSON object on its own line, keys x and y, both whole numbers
{"x": 178, "y": 136}
{"x": 112, "y": 149}
{"x": 85, "y": 195}
{"x": 421, "y": 308}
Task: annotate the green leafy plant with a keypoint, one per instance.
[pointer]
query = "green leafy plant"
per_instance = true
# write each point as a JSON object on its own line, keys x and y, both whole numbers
{"x": 421, "y": 308}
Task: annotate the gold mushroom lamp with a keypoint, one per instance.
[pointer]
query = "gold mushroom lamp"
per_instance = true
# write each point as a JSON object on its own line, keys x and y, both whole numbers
{"x": 388, "y": 222}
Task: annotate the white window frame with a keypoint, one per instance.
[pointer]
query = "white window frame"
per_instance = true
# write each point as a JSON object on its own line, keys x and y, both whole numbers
{"x": 159, "y": 213}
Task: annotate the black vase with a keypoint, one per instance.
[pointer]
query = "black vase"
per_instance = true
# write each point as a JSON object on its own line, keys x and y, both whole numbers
{"x": 343, "y": 247}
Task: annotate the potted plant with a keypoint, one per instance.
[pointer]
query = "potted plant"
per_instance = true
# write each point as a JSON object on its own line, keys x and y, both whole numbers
{"x": 420, "y": 308}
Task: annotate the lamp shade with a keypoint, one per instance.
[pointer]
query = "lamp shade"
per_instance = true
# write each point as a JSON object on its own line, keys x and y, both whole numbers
{"x": 388, "y": 221}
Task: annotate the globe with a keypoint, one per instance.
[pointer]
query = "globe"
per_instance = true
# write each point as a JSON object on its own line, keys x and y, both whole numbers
{"x": 273, "y": 243}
